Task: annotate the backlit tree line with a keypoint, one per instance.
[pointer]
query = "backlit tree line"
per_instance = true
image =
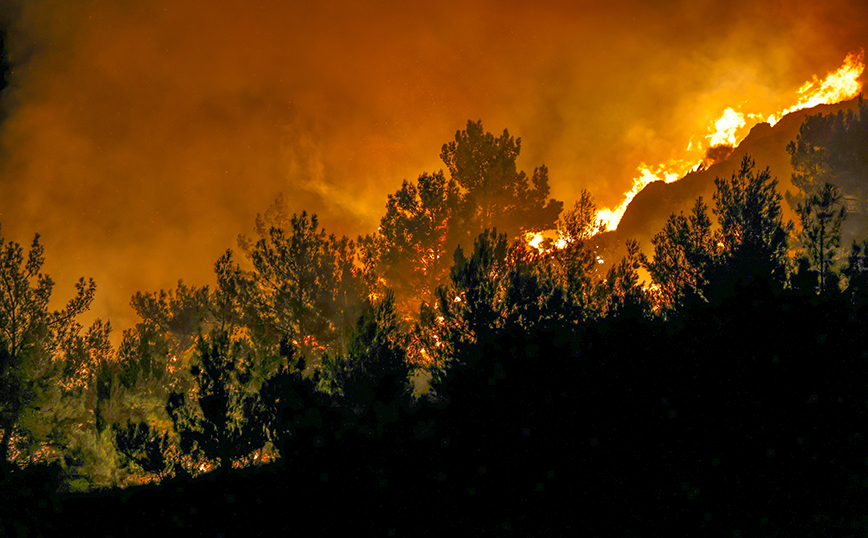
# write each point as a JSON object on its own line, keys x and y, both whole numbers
{"x": 308, "y": 337}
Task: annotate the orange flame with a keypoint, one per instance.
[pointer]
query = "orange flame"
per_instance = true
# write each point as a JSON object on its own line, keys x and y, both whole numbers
{"x": 729, "y": 129}
{"x": 534, "y": 239}
{"x": 730, "y": 121}
{"x": 839, "y": 86}
{"x": 667, "y": 172}
{"x": 537, "y": 240}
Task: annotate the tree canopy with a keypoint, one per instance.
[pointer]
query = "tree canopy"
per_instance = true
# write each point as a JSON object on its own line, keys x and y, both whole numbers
{"x": 425, "y": 221}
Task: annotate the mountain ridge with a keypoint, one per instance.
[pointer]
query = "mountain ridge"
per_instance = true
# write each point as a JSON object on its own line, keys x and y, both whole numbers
{"x": 648, "y": 212}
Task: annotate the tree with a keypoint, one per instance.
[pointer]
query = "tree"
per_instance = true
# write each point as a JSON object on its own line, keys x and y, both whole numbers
{"x": 425, "y": 221}
{"x": 375, "y": 375}
{"x": 476, "y": 282}
{"x": 225, "y": 425}
{"x": 753, "y": 236}
{"x": 304, "y": 284}
{"x": 856, "y": 272}
{"x": 495, "y": 193}
{"x": 821, "y": 215}
{"x": 580, "y": 223}
{"x": 142, "y": 445}
{"x": 170, "y": 322}
{"x": 683, "y": 252}
{"x": 576, "y": 262}
{"x": 623, "y": 293}
{"x": 30, "y": 335}
{"x": 410, "y": 249}
{"x": 834, "y": 149}
{"x": 288, "y": 403}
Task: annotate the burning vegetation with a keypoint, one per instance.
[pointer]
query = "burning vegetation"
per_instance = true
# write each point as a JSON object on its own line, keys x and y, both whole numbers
{"x": 729, "y": 129}
{"x": 476, "y": 284}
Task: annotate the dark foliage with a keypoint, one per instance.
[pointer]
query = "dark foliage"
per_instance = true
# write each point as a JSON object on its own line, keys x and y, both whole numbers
{"x": 227, "y": 428}
{"x": 731, "y": 401}
{"x": 142, "y": 445}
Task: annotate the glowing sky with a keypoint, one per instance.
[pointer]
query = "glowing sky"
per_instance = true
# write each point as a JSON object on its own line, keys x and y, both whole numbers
{"x": 141, "y": 138}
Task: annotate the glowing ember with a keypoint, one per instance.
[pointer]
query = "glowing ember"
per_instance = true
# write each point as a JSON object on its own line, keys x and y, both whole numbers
{"x": 535, "y": 240}
{"x": 729, "y": 129}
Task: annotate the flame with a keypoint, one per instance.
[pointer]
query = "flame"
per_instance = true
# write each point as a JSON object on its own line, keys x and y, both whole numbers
{"x": 534, "y": 239}
{"x": 665, "y": 172}
{"x": 310, "y": 342}
{"x": 728, "y": 123}
{"x": 537, "y": 240}
{"x": 729, "y": 129}
{"x": 839, "y": 86}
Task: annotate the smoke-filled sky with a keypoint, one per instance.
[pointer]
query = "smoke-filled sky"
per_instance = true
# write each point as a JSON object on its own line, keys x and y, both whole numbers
{"x": 140, "y": 138}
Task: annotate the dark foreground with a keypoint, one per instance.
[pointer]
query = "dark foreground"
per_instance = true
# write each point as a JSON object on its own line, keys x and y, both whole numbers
{"x": 746, "y": 419}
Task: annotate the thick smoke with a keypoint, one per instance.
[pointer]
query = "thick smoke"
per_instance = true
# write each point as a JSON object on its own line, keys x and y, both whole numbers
{"x": 140, "y": 138}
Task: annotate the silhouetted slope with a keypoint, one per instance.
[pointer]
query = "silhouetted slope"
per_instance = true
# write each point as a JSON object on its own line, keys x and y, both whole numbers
{"x": 741, "y": 417}
{"x": 767, "y": 145}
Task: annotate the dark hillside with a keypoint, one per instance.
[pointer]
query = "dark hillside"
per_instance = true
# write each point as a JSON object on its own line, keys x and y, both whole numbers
{"x": 649, "y": 210}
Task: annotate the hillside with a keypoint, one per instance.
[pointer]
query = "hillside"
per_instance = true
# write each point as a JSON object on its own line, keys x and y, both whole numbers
{"x": 766, "y": 144}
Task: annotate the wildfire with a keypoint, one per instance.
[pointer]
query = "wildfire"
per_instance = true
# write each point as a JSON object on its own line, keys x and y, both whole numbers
{"x": 729, "y": 130}
{"x": 535, "y": 240}
{"x": 730, "y": 121}
{"x": 310, "y": 342}
{"x": 542, "y": 243}
{"x": 668, "y": 173}
{"x": 838, "y": 86}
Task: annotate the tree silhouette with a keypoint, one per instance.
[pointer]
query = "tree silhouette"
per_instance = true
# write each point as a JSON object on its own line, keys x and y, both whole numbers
{"x": 683, "y": 252}
{"x": 821, "y": 215}
{"x": 624, "y": 294}
{"x": 426, "y": 221}
{"x": 227, "y": 428}
{"x": 410, "y": 250}
{"x": 469, "y": 304}
{"x": 288, "y": 405}
{"x": 496, "y": 194}
{"x": 142, "y": 445}
{"x": 753, "y": 236}
{"x": 834, "y": 149}
{"x": 576, "y": 262}
{"x": 304, "y": 284}
{"x": 375, "y": 371}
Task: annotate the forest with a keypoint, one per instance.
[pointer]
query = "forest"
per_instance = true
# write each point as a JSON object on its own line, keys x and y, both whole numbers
{"x": 447, "y": 373}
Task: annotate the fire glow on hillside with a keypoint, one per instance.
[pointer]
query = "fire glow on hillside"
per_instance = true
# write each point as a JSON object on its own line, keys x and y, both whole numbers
{"x": 728, "y": 130}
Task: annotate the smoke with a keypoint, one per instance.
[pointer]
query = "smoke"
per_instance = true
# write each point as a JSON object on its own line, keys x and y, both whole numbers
{"x": 141, "y": 139}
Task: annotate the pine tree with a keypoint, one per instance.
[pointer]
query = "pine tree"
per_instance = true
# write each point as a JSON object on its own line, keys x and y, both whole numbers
{"x": 821, "y": 215}
{"x": 31, "y": 336}
{"x": 753, "y": 236}
{"x": 225, "y": 425}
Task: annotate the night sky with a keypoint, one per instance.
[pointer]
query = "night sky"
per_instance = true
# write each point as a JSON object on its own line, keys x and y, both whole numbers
{"x": 139, "y": 139}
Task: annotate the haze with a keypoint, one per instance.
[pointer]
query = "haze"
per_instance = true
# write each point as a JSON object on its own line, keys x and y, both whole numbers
{"x": 141, "y": 140}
